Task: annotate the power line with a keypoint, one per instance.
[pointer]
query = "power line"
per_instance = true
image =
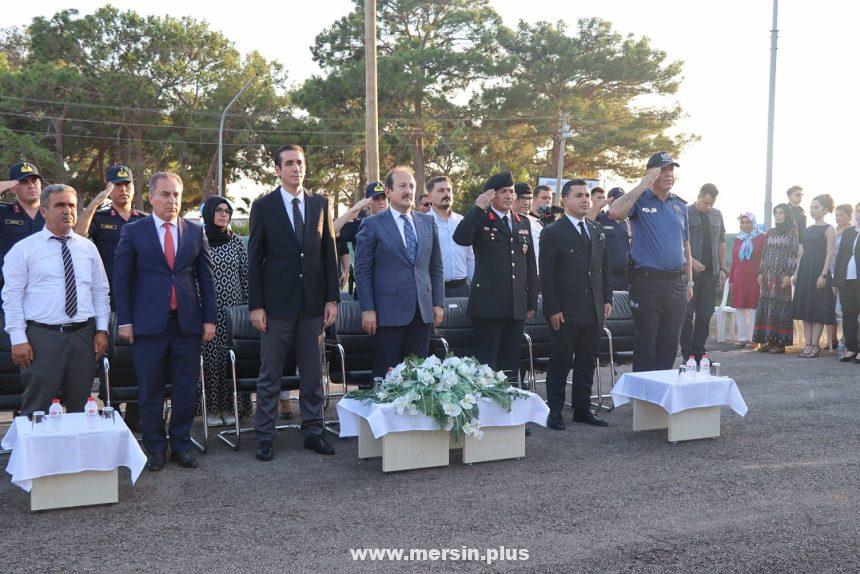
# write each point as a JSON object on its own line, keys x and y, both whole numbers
{"x": 216, "y": 114}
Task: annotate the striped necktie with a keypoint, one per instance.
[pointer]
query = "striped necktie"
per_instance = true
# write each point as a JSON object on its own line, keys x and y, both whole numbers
{"x": 69, "y": 269}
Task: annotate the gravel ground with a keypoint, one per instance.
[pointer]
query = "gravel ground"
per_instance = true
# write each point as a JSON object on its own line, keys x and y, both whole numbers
{"x": 779, "y": 491}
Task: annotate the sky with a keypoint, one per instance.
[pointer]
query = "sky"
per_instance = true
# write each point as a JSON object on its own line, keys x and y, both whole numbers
{"x": 724, "y": 92}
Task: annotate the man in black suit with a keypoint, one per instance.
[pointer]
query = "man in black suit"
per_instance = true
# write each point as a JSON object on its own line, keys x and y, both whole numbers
{"x": 504, "y": 287}
{"x": 293, "y": 294}
{"x": 577, "y": 298}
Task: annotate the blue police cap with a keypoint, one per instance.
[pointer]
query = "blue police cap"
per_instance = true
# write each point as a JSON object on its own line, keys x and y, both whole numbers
{"x": 615, "y": 192}
{"x": 661, "y": 159}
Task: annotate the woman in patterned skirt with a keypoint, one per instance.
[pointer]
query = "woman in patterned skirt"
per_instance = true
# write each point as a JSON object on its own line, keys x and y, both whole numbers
{"x": 773, "y": 326}
{"x": 230, "y": 275}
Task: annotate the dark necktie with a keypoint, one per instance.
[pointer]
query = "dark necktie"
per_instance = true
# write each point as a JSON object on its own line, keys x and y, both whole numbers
{"x": 298, "y": 222}
{"x": 505, "y": 221}
{"x": 583, "y": 233}
{"x": 411, "y": 240}
{"x": 69, "y": 268}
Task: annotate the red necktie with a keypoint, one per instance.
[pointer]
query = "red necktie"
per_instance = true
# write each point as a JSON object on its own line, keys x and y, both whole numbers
{"x": 170, "y": 255}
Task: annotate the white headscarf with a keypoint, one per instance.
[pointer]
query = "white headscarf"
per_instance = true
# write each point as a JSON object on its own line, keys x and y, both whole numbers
{"x": 746, "y": 250}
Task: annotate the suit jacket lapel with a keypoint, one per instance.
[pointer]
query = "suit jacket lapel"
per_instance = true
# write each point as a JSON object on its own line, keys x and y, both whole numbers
{"x": 184, "y": 243}
{"x": 311, "y": 214}
{"x": 154, "y": 241}
{"x": 595, "y": 238}
{"x": 394, "y": 233}
{"x": 499, "y": 224}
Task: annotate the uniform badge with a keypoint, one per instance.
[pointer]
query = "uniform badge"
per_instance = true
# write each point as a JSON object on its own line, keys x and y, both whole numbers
{"x": 523, "y": 232}
{"x": 13, "y": 222}
{"x": 677, "y": 208}
{"x": 107, "y": 226}
{"x": 26, "y": 168}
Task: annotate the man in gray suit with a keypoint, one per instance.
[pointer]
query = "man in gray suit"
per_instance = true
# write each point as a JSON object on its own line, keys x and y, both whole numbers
{"x": 399, "y": 276}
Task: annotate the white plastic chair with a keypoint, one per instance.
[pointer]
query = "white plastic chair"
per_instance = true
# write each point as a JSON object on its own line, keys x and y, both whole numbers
{"x": 726, "y": 327}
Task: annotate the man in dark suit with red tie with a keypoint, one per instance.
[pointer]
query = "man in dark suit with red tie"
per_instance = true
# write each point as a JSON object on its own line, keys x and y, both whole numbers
{"x": 162, "y": 263}
{"x": 293, "y": 292}
{"x": 577, "y": 298}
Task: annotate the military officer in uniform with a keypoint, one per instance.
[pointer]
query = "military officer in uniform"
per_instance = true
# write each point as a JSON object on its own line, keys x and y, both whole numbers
{"x": 21, "y": 218}
{"x": 103, "y": 226}
{"x": 504, "y": 287}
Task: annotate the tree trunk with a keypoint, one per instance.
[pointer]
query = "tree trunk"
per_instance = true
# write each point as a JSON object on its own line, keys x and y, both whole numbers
{"x": 136, "y": 156}
{"x": 418, "y": 160}
{"x": 58, "y": 143}
{"x": 210, "y": 185}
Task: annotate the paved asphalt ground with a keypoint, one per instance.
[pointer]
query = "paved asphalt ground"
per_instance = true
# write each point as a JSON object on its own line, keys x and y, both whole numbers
{"x": 779, "y": 491}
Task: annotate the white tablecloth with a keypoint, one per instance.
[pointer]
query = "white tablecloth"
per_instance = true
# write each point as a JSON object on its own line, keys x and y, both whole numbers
{"x": 384, "y": 419}
{"x": 662, "y": 388}
{"x": 72, "y": 447}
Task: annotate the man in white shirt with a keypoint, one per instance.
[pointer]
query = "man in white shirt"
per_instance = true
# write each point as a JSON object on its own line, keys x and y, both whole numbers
{"x": 457, "y": 260}
{"x": 57, "y": 307}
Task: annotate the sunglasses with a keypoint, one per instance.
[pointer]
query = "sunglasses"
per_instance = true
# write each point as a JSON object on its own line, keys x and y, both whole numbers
{"x": 426, "y": 204}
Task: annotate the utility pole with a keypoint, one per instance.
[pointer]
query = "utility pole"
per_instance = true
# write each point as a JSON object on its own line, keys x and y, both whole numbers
{"x": 371, "y": 108}
{"x": 564, "y": 133}
{"x": 221, "y": 136}
{"x": 768, "y": 186}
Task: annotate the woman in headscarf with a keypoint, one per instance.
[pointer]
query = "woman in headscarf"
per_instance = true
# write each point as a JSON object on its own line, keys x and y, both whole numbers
{"x": 743, "y": 277}
{"x": 230, "y": 275}
{"x": 773, "y": 322}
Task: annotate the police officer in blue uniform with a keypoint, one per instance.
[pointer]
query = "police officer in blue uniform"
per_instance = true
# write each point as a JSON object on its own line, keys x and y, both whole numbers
{"x": 103, "y": 226}
{"x": 617, "y": 241}
{"x": 661, "y": 278}
{"x": 21, "y": 218}
{"x": 346, "y": 227}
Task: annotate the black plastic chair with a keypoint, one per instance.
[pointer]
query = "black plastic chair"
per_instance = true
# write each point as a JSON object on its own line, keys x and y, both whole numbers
{"x": 11, "y": 388}
{"x": 120, "y": 381}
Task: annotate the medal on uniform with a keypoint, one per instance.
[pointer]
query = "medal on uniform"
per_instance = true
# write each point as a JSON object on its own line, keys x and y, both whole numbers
{"x": 525, "y": 248}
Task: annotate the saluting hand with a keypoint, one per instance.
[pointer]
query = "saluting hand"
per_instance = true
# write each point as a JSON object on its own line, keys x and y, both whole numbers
{"x": 103, "y": 194}
{"x": 7, "y": 185}
{"x": 651, "y": 176}
{"x": 483, "y": 200}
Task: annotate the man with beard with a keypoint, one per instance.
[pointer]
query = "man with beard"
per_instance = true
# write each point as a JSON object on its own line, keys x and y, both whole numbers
{"x": 504, "y": 289}
{"x": 662, "y": 272}
{"x": 457, "y": 260}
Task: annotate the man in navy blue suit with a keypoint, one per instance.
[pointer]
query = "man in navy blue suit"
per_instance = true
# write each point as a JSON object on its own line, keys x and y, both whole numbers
{"x": 162, "y": 263}
{"x": 399, "y": 275}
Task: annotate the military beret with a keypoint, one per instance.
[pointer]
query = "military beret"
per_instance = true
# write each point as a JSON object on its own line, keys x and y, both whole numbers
{"x": 500, "y": 180}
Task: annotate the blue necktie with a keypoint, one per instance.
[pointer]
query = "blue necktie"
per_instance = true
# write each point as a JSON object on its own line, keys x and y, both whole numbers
{"x": 411, "y": 240}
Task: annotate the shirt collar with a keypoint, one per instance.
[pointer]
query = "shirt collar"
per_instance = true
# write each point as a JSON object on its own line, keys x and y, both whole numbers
{"x": 574, "y": 220}
{"x": 159, "y": 223}
{"x": 48, "y": 234}
{"x": 509, "y": 215}
{"x": 396, "y": 214}
{"x": 288, "y": 197}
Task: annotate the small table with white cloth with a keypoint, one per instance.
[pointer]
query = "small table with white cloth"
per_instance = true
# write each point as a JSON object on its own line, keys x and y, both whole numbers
{"x": 689, "y": 409}
{"x": 72, "y": 463}
{"x": 416, "y": 441}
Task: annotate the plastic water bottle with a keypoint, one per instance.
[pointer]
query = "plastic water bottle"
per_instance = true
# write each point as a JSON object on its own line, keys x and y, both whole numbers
{"x": 91, "y": 413}
{"x": 691, "y": 364}
{"x": 705, "y": 366}
{"x": 55, "y": 413}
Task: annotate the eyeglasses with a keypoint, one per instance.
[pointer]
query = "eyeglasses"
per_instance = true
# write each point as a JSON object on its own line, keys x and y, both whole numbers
{"x": 226, "y": 210}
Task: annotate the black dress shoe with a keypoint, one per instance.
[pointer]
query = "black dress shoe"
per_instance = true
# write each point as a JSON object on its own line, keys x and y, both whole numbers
{"x": 183, "y": 459}
{"x": 155, "y": 462}
{"x": 264, "y": 451}
{"x": 847, "y": 358}
{"x": 317, "y": 443}
{"x": 589, "y": 419}
{"x": 555, "y": 422}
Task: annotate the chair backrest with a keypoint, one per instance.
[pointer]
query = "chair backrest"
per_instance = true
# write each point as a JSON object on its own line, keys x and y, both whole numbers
{"x": 357, "y": 345}
{"x": 11, "y": 388}
{"x": 620, "y": 324}
{"x": 456, "y": 329}
{"x": 539, "y": 330}
{"x": 122, "y": 374}
{"x": 244, "y": 340}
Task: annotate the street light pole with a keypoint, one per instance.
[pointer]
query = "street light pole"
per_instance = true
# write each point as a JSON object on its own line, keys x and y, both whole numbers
{"x": 221, "y": 136}
{"x": 371, "y": 123}
{"x": 564, "y": 133}
{"x": 768, "y": 186}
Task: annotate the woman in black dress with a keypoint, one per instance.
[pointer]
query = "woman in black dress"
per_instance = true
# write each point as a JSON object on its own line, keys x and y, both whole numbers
{"x": 814, "y": 302}
{"x": 230, "y": 275}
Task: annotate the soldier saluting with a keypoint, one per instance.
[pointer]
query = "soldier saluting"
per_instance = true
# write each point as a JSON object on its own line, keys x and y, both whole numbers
{"x": 504, "y": 288}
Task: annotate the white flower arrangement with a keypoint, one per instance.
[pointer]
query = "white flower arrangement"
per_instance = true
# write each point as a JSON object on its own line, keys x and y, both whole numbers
{"x": 447, "y": 391}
